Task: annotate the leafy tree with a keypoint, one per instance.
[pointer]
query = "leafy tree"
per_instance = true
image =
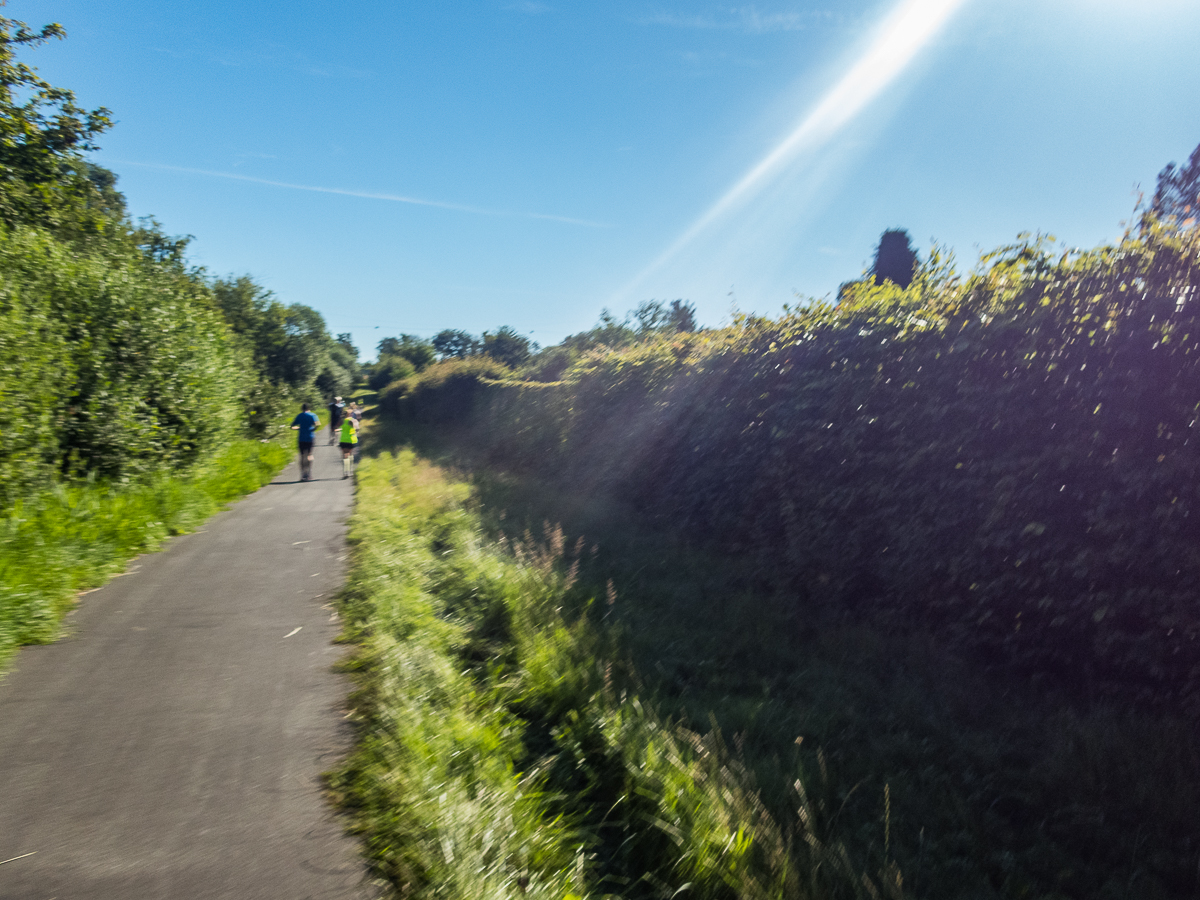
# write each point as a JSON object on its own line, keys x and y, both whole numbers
{"x": 416, "y": 350}
{"x": 107, "y": 198}
{"x": 389, "y": 346}
{"x": 654, "y": 316}
{"x": 452, "y": 344}
{"x": 289, "y": 344}
{"x": 333, "y": 381}
{"x": 292, "y": 352}
{"x": 116, "y": 358}
{"x": 342, "y": 357}
{"x": 43, "y": 179}
{"x": 895, "y": 259}
{"x": 387, "y": 370}
{"x": 156, "y": 245}
{"x": 682, "y": 316}
{"x": 304, "y": 352}
{"x": 508, "y": 346}
{"x": 1178, "y": 191}
{"x": 651, "y": 315}
{"x": 343, "y": 352}
{"x": 609, "y": 332}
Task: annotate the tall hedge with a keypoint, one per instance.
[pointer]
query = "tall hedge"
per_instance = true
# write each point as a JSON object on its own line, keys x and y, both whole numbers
{"x": 1010, "y": 458}
{"x": 114, "y": 364}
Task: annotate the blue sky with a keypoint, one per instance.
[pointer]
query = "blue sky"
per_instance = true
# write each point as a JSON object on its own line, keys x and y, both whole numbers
{"x": 561, "y": 150}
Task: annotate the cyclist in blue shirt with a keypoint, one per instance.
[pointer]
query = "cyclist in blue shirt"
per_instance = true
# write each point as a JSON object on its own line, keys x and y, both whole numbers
{"x": 307, "y": 424}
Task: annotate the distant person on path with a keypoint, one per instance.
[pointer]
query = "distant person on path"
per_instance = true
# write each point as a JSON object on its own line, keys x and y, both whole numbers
{"x": 307, "y": 424}
{"x": 356, "y": 413}
{"x": 348, "y": 443}
{"x": 336, "y": 410}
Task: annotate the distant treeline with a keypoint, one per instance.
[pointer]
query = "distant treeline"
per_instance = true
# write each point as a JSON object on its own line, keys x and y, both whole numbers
{"x": 517, "y": 355}
{"x": 117, "y": 359}
{"x": 1009, "y": 458}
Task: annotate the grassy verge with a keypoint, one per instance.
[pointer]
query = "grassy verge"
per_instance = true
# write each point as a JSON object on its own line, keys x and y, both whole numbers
{"x": 73, "y": 537}
{"x": 504, "y": 751}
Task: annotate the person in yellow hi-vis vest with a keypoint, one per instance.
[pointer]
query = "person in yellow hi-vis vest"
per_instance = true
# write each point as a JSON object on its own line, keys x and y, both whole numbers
{"x": 347, "y": 441}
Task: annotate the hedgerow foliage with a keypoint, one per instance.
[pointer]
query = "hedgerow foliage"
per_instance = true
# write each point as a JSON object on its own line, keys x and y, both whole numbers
{"x": 1006, "y": 457}
{"x": 446, "y": 392}
{"x": 117, "y": 361}
{"x": 112, "y": 364}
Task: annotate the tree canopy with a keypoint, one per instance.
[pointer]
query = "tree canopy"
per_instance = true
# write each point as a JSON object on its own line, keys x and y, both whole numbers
{"x": 43, "y": 131}
{"x": 1177, "y": 193}
{"x": 895, "y": 258}
{"x": 452, "y": 344}
{"x": 508, "y": 346}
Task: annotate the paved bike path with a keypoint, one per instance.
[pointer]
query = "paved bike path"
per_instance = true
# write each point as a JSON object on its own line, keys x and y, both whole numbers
{"x": 171, "y": 744}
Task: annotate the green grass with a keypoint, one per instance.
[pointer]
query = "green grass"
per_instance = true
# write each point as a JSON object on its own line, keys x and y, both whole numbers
{"x": 73, "y": 537}
{"x": 503, "y": 748}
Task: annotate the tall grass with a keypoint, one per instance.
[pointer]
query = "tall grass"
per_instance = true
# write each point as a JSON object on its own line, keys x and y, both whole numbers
{"x": 503, "y": 749}
{"x": 73, "y": 536}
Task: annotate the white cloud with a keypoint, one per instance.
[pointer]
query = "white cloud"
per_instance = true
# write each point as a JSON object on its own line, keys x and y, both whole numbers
{"x": 368, "y": 195}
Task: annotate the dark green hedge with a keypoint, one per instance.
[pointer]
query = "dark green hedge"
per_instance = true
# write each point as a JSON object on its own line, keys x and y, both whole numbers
{"x": 1007, "y": 457}
{"x": 110, "y": 364}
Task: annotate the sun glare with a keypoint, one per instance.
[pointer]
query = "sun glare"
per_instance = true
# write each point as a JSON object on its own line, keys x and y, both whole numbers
{"x": 897, "y": 41}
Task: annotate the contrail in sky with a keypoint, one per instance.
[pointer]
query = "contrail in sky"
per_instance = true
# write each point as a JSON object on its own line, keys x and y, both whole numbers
{"x": 369, "y": 195}
{"x": 900, "y": 37}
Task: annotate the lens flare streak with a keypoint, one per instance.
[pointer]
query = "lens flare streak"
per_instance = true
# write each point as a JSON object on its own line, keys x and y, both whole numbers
{"x": 900, "y": 37}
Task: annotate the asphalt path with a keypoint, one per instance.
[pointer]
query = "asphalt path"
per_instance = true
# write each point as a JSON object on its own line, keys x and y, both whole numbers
{"x": 171, "y": 744}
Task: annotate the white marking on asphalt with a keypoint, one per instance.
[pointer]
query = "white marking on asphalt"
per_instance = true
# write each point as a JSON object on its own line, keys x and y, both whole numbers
{"x": 293, "y": 631}
{"x": 294, "y": 543}
{"x": 22, "y": 856}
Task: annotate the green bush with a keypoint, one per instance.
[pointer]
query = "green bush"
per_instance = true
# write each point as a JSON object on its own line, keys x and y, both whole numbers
{"x": 445, "y": 392}
{"x": 113, "y": 365}
{"x": 389, "y": 369}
